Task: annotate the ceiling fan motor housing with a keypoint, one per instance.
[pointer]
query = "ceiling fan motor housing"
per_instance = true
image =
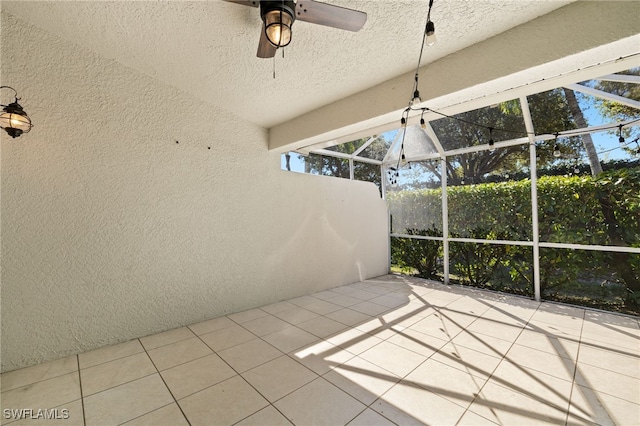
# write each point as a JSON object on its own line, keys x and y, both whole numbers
{"x": 278, "y": 17}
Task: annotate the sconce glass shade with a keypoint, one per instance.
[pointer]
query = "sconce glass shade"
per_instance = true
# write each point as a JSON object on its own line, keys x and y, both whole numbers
{"x": 14, "y": 120}
{"x": 278, "y": 27}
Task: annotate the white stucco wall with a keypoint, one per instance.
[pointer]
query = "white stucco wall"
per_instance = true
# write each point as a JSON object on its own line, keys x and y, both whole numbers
{"x": 111, "y": 230}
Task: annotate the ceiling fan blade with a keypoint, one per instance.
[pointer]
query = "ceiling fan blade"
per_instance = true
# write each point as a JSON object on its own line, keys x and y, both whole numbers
{"x": 245, "y": 2}
{"x": 330, "y": 15}
{"x": 265, "y": 49}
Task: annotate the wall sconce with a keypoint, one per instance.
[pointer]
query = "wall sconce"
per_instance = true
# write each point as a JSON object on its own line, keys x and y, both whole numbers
{"x": 278, "y": 18}
{"x": 13, "y": 119}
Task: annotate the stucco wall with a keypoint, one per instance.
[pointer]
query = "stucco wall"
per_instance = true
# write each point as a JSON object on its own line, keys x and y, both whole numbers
{"x": 111, "y": 230}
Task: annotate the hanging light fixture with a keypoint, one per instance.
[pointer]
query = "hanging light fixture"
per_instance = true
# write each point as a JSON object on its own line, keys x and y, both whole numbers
{"x": 278, "y": 17}
{"x": 416, "y": 100}
{"x": 13, "y": 119}
{"x": 556, "y": 147}
{"x": 403, "y": 159}
{"x": 431, "y": 33}
{"x": 620, "y": 137}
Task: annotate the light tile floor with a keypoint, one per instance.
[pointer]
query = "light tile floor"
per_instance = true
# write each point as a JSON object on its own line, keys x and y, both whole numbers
{"x": 390, "y": 350}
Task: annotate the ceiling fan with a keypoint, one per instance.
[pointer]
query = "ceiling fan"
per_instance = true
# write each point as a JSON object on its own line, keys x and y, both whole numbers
{"x": 279, "y": 16}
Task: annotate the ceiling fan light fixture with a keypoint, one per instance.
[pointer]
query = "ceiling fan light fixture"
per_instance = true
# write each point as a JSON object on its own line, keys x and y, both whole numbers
{"x": 278, "y": 18}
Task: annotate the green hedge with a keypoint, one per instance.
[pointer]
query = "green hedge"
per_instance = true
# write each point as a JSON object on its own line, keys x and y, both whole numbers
{"x": 503, "y": 207}
{"x": 604, "y": 210}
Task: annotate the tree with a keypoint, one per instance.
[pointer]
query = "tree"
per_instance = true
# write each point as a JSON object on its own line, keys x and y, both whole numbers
{"x": 463, "y": 131}
{"x": 623, "y": 261}
{"x": 578, "y": 117}
{"x": 550, "y": 114}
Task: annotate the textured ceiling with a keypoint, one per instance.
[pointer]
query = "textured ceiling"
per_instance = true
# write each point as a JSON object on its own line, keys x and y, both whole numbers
{"x": 208, "y": 48}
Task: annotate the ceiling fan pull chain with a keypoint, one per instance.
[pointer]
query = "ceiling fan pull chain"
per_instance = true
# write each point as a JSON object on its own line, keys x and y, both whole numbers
{"x": 274, "y": 67}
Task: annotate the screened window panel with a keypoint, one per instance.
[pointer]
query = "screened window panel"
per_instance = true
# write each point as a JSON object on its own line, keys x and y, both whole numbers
{"x": 587, "y": 277}
{"x": 348, "y": 147}
{"x": 420, "y": 257}
{"x": 487, "y": 201}
{"x": 499, "y": 267}
{"x": 379, "y": 147}
{"x": 368, "y": 172}
{"x": 471, "y": 128}
{"x": 415, "y": 199}
{"x": 327, "y": 166}
{"x": 550, "y": 112}
{"x": 575, "y": 207}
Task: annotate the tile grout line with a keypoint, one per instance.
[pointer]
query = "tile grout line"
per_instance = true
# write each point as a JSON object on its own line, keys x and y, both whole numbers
{"x": 575, "y": 371}
{"x": 111, "y": 360}
{"x": 450, "y": 341}
{"x": 120, "y": 384}
{"x": 144, "y": 414}
{"x": 165, "y": 385}
{"x": 323, "y": 339}
{"x": 416, "y": 384}
{"x": 502, "y": 358}
{"x": 167, "y": 344}
{"x": 37, "y": 381}
{"x": 269, "y": 403}
{"x": 84, "y": 415}
{"x": 400, "y": 377}
{"x": 173, "y": 366}
{"x": 370, "y": 406}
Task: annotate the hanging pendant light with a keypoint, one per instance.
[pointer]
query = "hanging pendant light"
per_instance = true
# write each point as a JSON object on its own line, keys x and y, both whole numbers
{"x": 431, "y": 33}
{"x": 556, "y": 147}
{"x": 13, "y": 119}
